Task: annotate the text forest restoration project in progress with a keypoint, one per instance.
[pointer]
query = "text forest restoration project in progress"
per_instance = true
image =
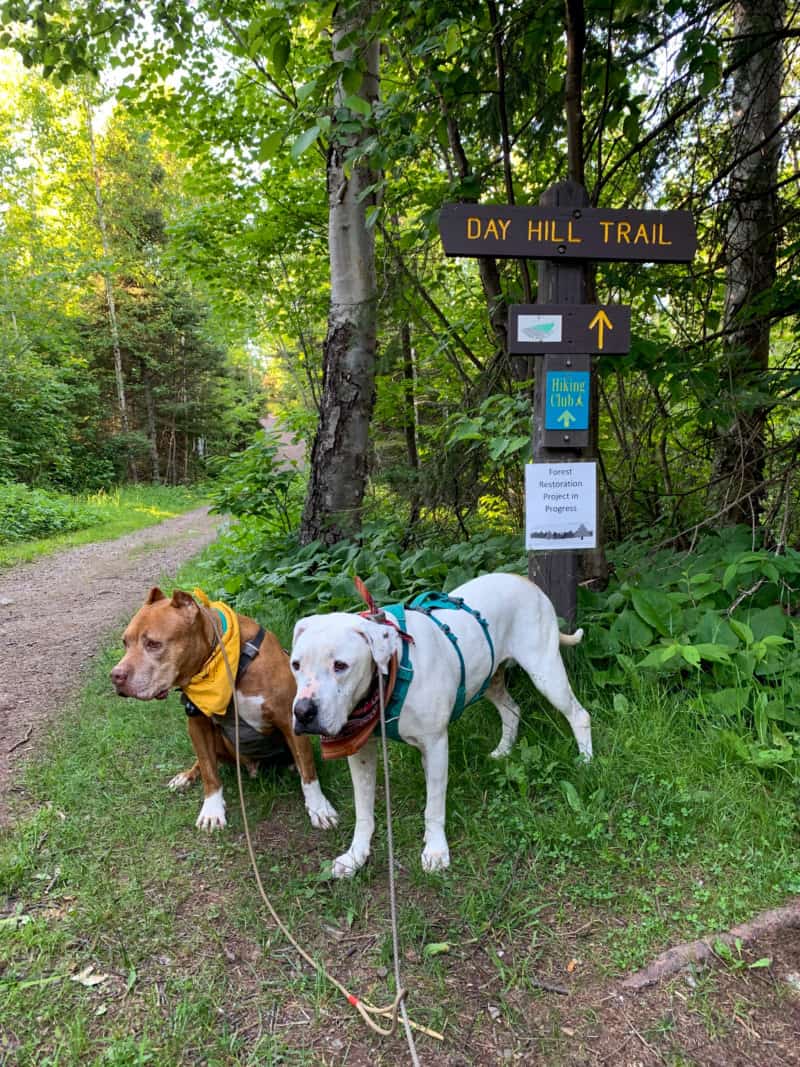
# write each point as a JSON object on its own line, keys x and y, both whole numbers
{"x": 565, "y": 232}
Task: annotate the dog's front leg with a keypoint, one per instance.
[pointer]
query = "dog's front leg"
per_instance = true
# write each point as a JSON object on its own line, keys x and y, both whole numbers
{"x": 362, "y": 771}
{"x": 203, "y": 734}
{"x": 436, "y": 854}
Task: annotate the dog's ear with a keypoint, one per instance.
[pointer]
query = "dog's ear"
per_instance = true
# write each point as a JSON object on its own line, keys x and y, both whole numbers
{"x": 181, "y": 599}
{"x": 154, "y": 595}
{"x": 383, "y": 641}
{"x": 299, "y": 627}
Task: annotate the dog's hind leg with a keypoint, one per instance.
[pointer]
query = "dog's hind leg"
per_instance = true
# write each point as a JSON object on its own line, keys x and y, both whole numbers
{"x": 554, "y": 685}
{"x": 507, "y": 708}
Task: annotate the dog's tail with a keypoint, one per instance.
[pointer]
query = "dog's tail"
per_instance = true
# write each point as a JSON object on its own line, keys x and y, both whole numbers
{"x": 571, "y": 639}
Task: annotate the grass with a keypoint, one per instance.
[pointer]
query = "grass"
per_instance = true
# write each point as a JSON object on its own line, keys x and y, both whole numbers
{"x": 660, "y": 839}
{"x": 122, "y": 511}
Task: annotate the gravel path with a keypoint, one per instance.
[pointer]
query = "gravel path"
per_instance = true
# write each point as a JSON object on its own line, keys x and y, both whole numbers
{"x": 57, "y": 611}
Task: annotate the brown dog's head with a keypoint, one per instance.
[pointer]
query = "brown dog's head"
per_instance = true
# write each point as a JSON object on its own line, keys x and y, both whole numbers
{"x": 164, "y": 644}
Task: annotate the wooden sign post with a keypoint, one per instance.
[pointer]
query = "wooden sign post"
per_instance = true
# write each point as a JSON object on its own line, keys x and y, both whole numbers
{"x": 563, "y": 333}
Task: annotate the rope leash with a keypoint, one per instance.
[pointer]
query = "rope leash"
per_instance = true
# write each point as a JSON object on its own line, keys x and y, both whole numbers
{"x": 364, "y": 1008}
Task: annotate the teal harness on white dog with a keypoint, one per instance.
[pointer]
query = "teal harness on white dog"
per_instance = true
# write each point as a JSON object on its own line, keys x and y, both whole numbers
{"x": 427, "y": 603}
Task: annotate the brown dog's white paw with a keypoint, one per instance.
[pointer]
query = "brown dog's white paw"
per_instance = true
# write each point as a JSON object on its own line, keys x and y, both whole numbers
{"x": 212, "y": 813}
{"x": 321, "y": 812}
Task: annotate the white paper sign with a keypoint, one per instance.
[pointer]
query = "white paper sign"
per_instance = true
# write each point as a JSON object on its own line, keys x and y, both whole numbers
{"x": 560, "y": 505}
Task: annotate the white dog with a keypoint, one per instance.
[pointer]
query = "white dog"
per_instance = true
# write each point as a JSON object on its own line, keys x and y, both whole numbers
{"x": 335, "y": 659}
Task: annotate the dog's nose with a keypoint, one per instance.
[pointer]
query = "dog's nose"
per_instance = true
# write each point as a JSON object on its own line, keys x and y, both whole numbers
{"x": 119, "y": 676}
{"x": 305, "y": 711}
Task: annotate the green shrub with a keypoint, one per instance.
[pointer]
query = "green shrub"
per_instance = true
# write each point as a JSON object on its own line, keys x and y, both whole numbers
{"x": 26, "y": 514}
{"x": 259, "y": 483}
{"x": 717, "y": 623}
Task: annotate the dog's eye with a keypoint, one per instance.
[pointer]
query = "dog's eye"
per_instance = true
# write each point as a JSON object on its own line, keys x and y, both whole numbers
{"x": 152, "y": 646}
{"x": 339, "y": 666}
{"x": 295, "y": 665}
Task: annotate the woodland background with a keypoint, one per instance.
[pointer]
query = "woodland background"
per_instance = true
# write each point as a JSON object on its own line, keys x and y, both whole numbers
{"x": 215, "y": 210}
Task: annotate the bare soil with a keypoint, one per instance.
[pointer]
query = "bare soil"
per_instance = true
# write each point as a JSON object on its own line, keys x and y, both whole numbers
{"x": 56, "y": 612}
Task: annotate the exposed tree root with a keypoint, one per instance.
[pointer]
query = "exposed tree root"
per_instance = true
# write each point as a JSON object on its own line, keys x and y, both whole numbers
{"x": 680, "y": 956}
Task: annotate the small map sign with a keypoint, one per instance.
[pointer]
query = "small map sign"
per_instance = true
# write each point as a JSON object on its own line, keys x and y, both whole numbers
{"x": 560, "y": 506}
{"x": 567, "y": 396}
{"x": 539, "y": 329}
{"x": 604, "y": 329}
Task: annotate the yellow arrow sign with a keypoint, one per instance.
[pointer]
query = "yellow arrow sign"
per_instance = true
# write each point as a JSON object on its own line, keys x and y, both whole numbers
{"x": 566, "y": 417}
{"x": 602, "y": 322}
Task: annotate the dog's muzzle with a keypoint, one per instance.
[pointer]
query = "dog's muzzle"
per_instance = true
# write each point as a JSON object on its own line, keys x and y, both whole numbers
{"x": 305, "y": 716}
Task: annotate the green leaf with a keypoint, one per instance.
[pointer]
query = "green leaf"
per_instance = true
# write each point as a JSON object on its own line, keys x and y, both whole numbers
{"x": 304, "y": 91}
{"x": 270, "y": 145}
{"x": 358, "y": 104}
{"x": 280, "y": 54}
{"x": 729, "y": 701}
{"x": 691, "y": 655}
{"x": 304, "y": 141}
{"x": 621, "y": 704}
{"x": 660, "y": 656}
{"x": 630, "y": 631}
{"x": 767, "y": 621}
{"x": 654, "y": 607}
{"x": 742, "y": 631}
{"x": 452, "y": 40}
{"x": 351, "y": 78}
{"x": 714, "y": 653}
{"x": 571, "y": 794}
{"x": 436, "y": 948}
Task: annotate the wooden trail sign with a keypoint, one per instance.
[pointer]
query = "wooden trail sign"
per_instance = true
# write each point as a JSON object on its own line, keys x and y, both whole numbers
{"x": 562, "y": 232}
{"x": 563, "y": 332}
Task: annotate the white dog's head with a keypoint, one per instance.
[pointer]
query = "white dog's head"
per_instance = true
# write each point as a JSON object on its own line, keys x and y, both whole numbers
{"x": 333, "y": 661}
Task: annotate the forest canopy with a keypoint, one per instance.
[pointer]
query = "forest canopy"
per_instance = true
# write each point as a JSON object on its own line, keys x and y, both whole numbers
{"x": 216, "y": 128}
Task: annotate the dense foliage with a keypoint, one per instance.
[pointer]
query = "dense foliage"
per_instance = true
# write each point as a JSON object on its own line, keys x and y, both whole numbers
{"x": 26, "y": 514}
{"x": 203, "y": 210}
{"x": 111, "y": 365}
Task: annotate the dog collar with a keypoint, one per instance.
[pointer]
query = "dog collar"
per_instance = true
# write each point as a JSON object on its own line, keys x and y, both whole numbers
{"x": 363, "y": 719}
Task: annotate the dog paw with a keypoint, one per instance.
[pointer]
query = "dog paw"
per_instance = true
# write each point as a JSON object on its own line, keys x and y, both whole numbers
{"x": 500, "y": 752}
{"x": 435, "y": 858}
{"x": 212, "y": 813}
{"x": 346, "y": 865}
{"x": 324, "y": 817}
{"x": 180, "y": 782}
{"x": 322, "y": 813}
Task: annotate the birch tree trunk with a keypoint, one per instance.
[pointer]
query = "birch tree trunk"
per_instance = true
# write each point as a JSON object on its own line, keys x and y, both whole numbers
{"x": 339, "y": 455}
{"x": 109, "y": 289}
{"x": 752, "y": 239}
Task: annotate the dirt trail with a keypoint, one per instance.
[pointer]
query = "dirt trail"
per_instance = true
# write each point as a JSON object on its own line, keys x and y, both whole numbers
{"x": 56, "y": 612}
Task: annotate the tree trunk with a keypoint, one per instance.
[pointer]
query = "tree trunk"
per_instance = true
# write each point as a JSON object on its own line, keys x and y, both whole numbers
{"x": 339, "y": 455}
{"x": 110, "y": 302}
{"x": 152, "y": 437}
{"x": 751, "y": 255}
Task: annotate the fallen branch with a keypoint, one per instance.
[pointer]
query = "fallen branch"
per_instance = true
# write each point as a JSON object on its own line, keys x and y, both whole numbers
{"x": 19, "y": 744}
{"x": 675, "y": 959}
{"x": 548, "y": 987}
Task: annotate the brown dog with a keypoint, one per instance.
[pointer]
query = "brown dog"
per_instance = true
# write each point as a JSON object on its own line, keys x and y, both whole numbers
{"x": 169, "y": 643}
